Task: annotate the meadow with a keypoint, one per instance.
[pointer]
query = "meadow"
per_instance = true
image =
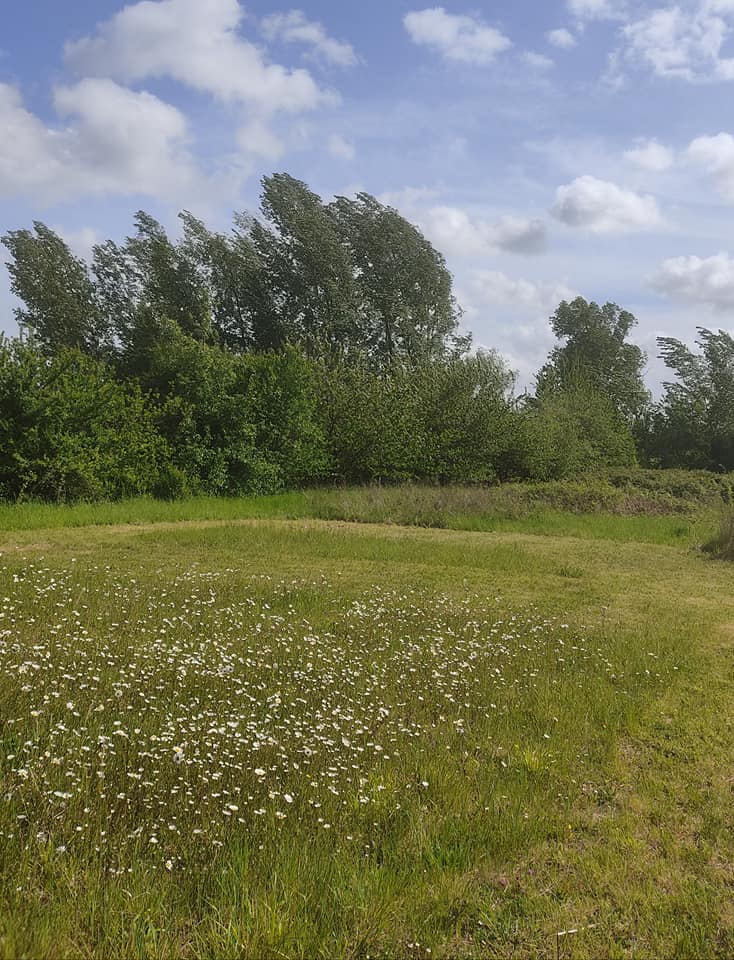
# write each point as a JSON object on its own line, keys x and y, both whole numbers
{"x": 279, "y": 728}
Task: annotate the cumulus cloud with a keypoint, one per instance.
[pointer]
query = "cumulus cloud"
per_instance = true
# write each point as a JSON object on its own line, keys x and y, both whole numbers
{"x": 541, "y": 298}
{"x": 708, "y": 281}
{"x": 115, "y": 141}
{"x": 31, "y": 155}
{"x": 197, "y": 43}
{"x": 456, "y": 37}
{"x": 456, "y": 233}
{"x": 561, "y": 38}
{"x": 294, "y": 27}
{"x": 604, "y": 207}
{"x": 81, "y": 242}
{"x": 684, "y": 41}
{"x": 716, "y": 156}
{"x": 651, "y": 155}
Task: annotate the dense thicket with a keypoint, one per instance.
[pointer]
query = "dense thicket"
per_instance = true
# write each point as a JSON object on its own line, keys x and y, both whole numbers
{"x": 317, "y": 343}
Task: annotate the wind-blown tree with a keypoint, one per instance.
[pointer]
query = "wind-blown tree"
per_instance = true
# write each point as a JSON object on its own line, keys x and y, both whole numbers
{"x": 231, "y": 272}
{"x": 340, "y": 280}
{"x": 60, "y": 307}
{"x": 693, "y": 425}
{"x": 144, "y": 281}
{"x": 596, "y": 353}
{"x": 307, "y": 272}
{"x": 405, "y": 299}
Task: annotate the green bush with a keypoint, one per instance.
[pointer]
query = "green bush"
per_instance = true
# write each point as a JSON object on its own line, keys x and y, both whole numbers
{"x": 70, "y": 431}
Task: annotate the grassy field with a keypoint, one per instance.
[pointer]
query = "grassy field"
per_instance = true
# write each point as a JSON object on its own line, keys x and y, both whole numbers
{"x": 233, "y": 730}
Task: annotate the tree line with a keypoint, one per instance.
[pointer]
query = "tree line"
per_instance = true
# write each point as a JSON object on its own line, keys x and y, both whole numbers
{"x": 316, "y": 343}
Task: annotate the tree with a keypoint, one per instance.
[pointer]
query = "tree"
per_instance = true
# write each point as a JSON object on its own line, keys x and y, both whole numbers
{"x": 596, "y": 352}
{"x": 231, "y": 272}
{"x": 571, "y": 431}
{"x": 307, "y": 271}
{"x": 405, "y": 300}
{"x": 694, "y": 423}
{"x": 236, "y": 424}
{"x": 59, "y": 300}
{"x": 145, "y": 280}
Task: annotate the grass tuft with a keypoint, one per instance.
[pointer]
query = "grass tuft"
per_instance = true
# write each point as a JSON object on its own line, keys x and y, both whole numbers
{"x": 721, "y": 546}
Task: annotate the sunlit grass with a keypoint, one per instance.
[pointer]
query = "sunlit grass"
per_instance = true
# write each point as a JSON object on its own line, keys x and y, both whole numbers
{"x": 571, "y": 510}
{"x": 304, "y": 739}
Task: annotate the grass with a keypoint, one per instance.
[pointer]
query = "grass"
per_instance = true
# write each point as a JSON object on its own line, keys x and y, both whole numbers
{"x": 41, "y": 516}
{"x": 721, "y": 544}
{"x": 675, "y": 511}
{"x": 550, "y": 712}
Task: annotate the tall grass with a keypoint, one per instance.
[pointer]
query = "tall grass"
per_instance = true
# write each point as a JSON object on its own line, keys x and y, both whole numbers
{"x": 652, "y": 511}
{"x": 40, "y": 516}
{"x": 721, "y": 545}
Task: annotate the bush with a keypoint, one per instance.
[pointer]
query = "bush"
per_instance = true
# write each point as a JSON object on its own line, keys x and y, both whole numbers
{"x": 70, "y": 431}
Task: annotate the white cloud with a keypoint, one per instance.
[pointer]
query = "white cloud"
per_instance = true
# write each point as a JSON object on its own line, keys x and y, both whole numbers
{"x": 561, "y": 38}
{"x": 341, "y": 148}
{"x": 595, "y": 9}
{"x": 294, "y": 27}
{"x": 708, "y": 281}
{"x": 460, "y": 38}
{"x": 115, "y": 141}
{"x": 604, "y": 207}
{"x": 257, "y": 140}
{"x": 518, "y": 234}
{"x": 197, "y": 43}
{"x": 31, "y": 156}
{"x": 456, "y": 233}
{"x": 408, "y": 199}
{"x": 651, "y": 155}
{"x": 683, "y": 41}
{"x": 537, "y": 60}
{"x": 541, "y": 298}
{"x": 716, "y": 156}
{"x": 126, "y": 138}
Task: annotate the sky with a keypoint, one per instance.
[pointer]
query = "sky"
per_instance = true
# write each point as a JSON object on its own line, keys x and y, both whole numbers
{"x": 548, "y": 148}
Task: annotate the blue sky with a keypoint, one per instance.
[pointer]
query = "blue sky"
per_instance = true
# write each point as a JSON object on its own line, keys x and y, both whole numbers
{"x": 547, "y": 149}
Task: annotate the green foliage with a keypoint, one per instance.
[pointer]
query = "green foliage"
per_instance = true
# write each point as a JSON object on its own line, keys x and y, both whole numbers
{"x": 60, "y": 307}
{"x": 321, "y": 343}
{"x": 405, "y": 302}
{"x": 142, "y": 282}
{"x": 572, "y": 431}
{"x": 70, "y": 431}
{"x": 236, "y": 424}
{"x": 307, "y": 270}
{"x": 596, "y": 353}
{"x": 694, "y": 423}
{"x": 229, "y": 269}
{"x": 431, "y": 421}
